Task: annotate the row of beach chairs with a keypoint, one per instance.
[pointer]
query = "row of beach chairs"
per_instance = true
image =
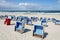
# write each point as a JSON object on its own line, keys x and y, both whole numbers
{"x": 38, "y": 29}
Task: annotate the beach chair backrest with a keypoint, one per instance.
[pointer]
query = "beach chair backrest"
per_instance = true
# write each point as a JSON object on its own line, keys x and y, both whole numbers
{"x": 44, "y": 20}
{"x": 13, "y": 17}
{"x": 19, "y": 18}
{"x": 37, "y": 27}
{"x": 18, "y": 24}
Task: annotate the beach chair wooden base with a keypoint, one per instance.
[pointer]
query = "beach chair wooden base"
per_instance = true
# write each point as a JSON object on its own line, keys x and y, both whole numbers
{"x": 39, "y": 36}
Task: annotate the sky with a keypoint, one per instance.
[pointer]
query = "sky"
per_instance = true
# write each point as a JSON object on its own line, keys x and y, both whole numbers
{"x": 29, "y": 4}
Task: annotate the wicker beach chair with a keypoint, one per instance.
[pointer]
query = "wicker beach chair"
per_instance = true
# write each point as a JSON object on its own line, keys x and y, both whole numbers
{"x": 13, "y": 18}
{"x": 38, "y": 31}
{"x": 29, "y": 22}
{"x": 35, "y": 19}
{"x": 19, "y": 18}
{"x": 19, "y": 27}
{"x": 7, "y": 21}
{"x": 44, "y": 22}
{"x": 57, "y": 22}
{"x": 53, "y": 20}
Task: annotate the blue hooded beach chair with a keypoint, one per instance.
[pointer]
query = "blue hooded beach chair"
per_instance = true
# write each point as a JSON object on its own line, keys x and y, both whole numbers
{"x": 44, "y": 22}
{"x": 6, "y": 16}
{"x": 41, "y": 18}
{"x": 38, "y": 31}
{"x": 53, "y": 20}
{"x": 57, "y": 22}
{"x": 34, "y": 19}
{"x": 49, "y": 19}
{"x": 1, "y": 17}
{"x": 19, "y": 18}
{"x": 29, "y": 22}
{"x": 13, "y": 18}
{"x": 19, "y": 27}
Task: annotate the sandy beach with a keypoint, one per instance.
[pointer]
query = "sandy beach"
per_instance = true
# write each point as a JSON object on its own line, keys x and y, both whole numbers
{"x": 8, "y": 33}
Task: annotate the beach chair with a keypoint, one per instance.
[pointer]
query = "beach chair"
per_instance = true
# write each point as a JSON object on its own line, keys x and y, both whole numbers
{"x": 29, "y": 22}
{"x": 57, "y": 22}
{"x": 19, "y": 27}
{"x": 53, "y": 20}
{"x": 44, "y": 22}
{"x": 13, "y": 18}
{"x": 1, "y": 17}
{"x": 35, "y": 19}
{"x": 7, "y": 21}
{"x": 6, "y": 16}
{"x": 41, "y": 18}
{"x": 38, "y": 31}
{"x": 49, "y": 19}
{"x": 19, "y": 18}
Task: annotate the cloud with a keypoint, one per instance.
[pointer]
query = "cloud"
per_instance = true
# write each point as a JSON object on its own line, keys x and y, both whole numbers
{"x": 58, "y": 1}
{"x": 4, "y": 5}
{"x": 19, "y": 6}
{"x": 27, "y": 6}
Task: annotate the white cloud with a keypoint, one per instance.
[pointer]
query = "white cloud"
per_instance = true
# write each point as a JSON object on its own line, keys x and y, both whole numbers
{"x": 27, "y": 6}
{"x": 58, "y": 1}
{"x": 4, "y": 3}
{"x": 31, "y": 6}
{"x": 20, "y": 6}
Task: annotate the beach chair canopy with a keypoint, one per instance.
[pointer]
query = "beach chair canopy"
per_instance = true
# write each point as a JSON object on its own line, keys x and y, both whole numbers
{"x": 19, "y": 25}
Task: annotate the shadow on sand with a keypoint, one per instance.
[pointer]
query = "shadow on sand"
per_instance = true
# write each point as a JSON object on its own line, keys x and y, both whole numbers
{"x": 45, "y": 34}
{"x": 26, "y": 30}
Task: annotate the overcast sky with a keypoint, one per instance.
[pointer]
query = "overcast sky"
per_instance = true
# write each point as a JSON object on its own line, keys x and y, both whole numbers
{"x": 30, "y": 4}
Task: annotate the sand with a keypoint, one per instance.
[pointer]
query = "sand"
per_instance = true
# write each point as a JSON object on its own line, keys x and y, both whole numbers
{"x": 8, "y": 33}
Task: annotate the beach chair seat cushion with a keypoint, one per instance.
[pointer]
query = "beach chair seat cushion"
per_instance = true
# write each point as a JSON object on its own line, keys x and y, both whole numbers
{"x": 39, "y": 32}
